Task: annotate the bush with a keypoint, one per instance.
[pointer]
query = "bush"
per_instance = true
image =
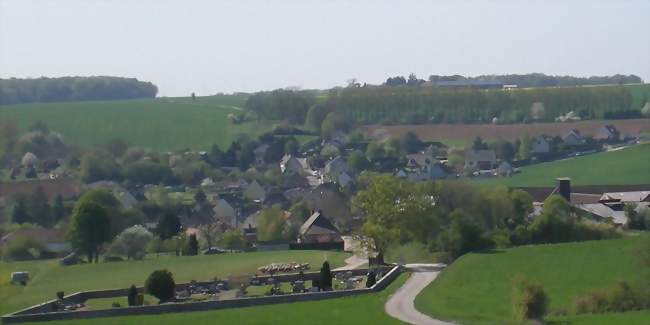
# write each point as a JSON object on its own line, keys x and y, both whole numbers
{"x": 161, "y": 285}
{"x": 325, "y": 277}
{"x": 529, "y": 301}
{"x": 132, "y": 298}
{"x": 192, "y": 245}
{"x": 22, "y": 248}
{"x": 132, "y": 242}
{"x": 620, "y": 298}
{"x": 116, "y": 304}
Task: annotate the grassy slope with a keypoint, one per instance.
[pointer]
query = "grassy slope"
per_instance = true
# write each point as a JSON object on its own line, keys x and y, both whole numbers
{"x": 476, "y": 289}
{"x": 160, "y": 124}
{"x": 47, "y": 277}
{"x": 626, "y": 166}
{"x": 364, "y": 309}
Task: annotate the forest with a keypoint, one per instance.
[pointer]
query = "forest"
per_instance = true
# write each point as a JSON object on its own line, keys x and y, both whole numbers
{"x": 64, "y": 89}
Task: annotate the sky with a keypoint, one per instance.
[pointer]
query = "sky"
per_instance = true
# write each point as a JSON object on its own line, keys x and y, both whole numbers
{"x": 246, "y": 45}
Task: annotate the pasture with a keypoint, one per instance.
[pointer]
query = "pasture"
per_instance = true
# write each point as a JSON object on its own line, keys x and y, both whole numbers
{"x": 476, "y": 289}
{"x": 48, "y": 277}
{"x": 621, "y": 167}
{"x": 160, "y": 124}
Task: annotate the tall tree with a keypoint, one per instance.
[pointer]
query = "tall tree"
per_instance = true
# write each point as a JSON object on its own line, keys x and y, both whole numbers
{"x": 19, "y": 211}
{"x": 168, "y": 226}
{"x": 89, "y": 229}
{"x": 58, "y": 209}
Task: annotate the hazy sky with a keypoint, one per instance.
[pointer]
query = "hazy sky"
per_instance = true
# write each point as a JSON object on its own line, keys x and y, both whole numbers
{"x": 224, "y": 46}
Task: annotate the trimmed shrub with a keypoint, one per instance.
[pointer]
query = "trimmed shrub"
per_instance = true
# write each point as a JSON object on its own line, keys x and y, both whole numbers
{"x": 161, "y": 285}
{"x": 132, "y": 298}
{"x": 325, "y": 277}
{"x": 529, "y": 301}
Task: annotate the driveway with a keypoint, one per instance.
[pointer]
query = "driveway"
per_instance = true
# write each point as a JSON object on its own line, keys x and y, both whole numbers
{"x": 401, "y": 303}
{"x": 352, "y": 262}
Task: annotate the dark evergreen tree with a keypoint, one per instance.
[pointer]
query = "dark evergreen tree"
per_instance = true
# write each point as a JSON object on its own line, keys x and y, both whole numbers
{"x": 192, "y": 245}
{"x": 168, "y": 226}
{"x": 325, "y": 277}
{"x": 19, "y": 211}
{"x": 132, "y": 298}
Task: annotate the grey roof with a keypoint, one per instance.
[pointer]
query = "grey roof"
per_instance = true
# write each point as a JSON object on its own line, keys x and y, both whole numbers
{"x": 636, "y": 196}
{"x": 604, "y": 211}
{"x": 317, "y": 224}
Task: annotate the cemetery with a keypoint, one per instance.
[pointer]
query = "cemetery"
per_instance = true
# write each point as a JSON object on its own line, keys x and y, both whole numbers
{"x": 275, "y": 283}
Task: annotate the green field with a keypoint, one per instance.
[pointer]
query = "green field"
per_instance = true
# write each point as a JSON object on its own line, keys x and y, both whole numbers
{"x": 626, "y": 166}
{"x": 476, "y": 289}
{"x": 161, "y": 124}
{"x": 48, "y": 277}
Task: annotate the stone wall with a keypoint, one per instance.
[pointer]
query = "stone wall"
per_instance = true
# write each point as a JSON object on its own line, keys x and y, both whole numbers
{"x": 43, "y": 312}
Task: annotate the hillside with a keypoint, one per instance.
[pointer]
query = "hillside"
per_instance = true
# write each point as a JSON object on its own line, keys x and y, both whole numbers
{"x": 625, "y": 166}
{"x": 161, "y": 124}
{"x": 476, "y": 288}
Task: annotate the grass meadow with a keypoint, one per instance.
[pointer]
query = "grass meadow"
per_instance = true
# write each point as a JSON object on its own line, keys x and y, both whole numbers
{"x": 47, "y": 277}
{"x": 161, "y": 124}
{"x": 476, "y": 289}
{"x": 625, "y": 166}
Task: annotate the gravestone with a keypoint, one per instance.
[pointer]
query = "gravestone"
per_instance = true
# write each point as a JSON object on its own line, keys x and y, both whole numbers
{"x": 19, "y": 277}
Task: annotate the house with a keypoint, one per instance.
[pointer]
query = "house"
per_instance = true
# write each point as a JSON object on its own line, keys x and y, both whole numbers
{"x": 540, "y": 145}
{"x": 626, "y": 197}
{"x": 505, "y": 169}
{"x": 480, "y": 159}
{"x": 318, "y": 229}
{"x": 334, "y": 168}
{"x": 607, "y": 133}
{"x": 224, "y": 212}
{"x": 289, "y": 163}
{"x": 573, "y": 138}
{"x": 260, "y": 153}
{"x": 255, "y": 192}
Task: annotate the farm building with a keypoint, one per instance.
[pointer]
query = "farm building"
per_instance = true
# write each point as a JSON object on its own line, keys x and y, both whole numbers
{"x": 480, "y": 159}
{"x": 318, "y": 229}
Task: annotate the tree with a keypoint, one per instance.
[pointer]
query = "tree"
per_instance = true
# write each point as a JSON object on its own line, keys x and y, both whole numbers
{"x": 161, "y": 285}
{"x": 524, "y": 148}
{"x": 232, "y": 239}
{"x": 19, "y": 211}
{"x": 375, "y": 151}
{"x": 40, "y": 126}
{"x": 333, "y": 122}
{"x": 463, "y": 236}
{"x": 200, "y": 197}
{"x": 270, "y": 224}
{"x": 112, "y": 206}
{"x": 132, "y": 297}
{"x": 147, "y": 173}
{"x": 192, "y": 245}
{"x": 89, "y": 229}
{"x": 210, "y": 232}
{"x": 97, "y": 167}
{"x": 411, "y": 142}
{"x": 357, "y": 161}
{"x": 478, "y": 144}
{"x": 39, "y": 209}
{"x": 8, "y": 137}
{"x": 58, "y": 209}
{"x": 325, "y": 277}
{"x": 291, "y": 147}
{"x": 529, "y": 301}
{"x": 132, "y": 242}
{"x": 537, "y": 111}
{"x": 168, "y": 226}
{"x": 117, "y": 147}
{"x": 315, "y": 116}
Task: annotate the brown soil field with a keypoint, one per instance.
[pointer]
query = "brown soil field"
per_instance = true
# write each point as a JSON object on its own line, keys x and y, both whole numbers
{"x": 436, "y": 132}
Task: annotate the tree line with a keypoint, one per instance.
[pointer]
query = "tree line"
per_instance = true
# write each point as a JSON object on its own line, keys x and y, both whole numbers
{"x": 18, "y": 91}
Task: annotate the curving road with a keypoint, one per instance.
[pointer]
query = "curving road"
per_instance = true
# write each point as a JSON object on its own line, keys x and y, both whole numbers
{"x": 401, "y": 303}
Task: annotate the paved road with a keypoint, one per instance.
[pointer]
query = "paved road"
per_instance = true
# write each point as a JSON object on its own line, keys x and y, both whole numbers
{"x": 352, "y": 262}
{"x": 401, "y": 306}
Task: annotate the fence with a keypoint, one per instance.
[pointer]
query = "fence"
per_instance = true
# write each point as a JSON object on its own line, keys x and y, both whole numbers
{"x": 44, "y": 311}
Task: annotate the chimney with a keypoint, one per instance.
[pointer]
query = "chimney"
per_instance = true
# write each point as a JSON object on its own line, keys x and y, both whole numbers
{"x": 564, "y": 187}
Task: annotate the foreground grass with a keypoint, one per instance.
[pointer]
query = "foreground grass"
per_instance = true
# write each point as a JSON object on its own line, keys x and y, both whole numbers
{"x": 161, "y": 124}
{"x": 363, "y": 309}
{"x": 476, "y": 289}
{"x": 48, "y": 277}
{"x": 626, "y": 166}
